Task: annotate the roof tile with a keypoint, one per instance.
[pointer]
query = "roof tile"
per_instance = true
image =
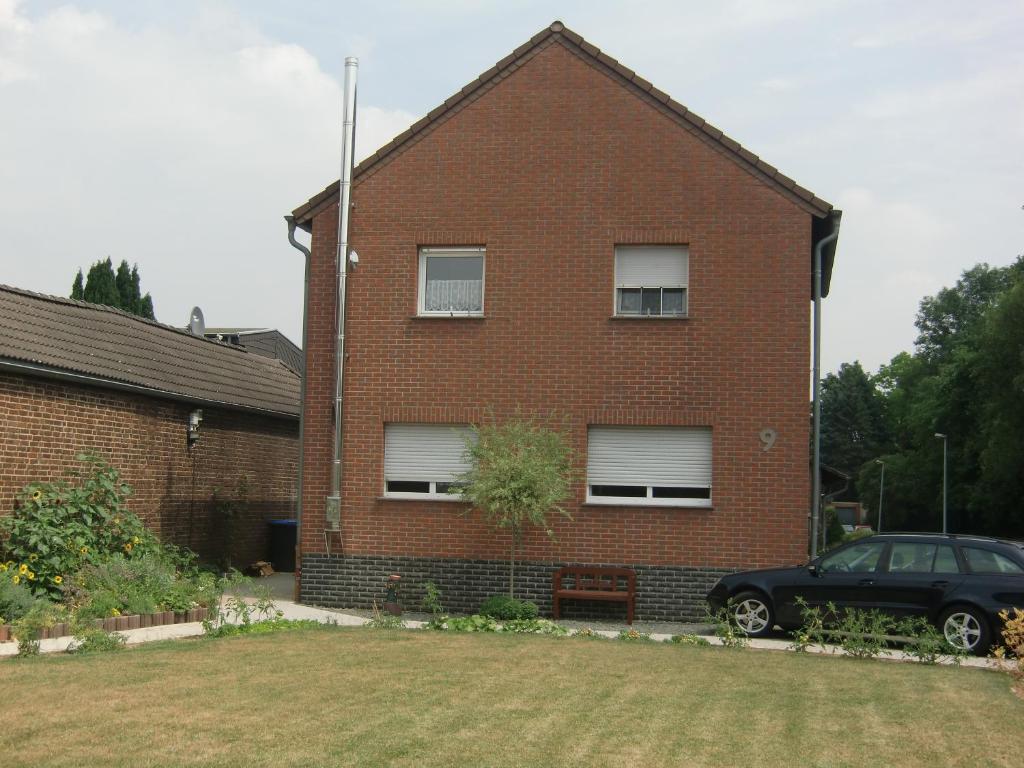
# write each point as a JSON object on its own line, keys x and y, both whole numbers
{"x": 107, "y": 344}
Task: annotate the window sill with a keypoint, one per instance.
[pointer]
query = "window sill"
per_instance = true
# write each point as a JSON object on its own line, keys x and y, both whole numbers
{"x": 446, "y": 498}
{"x": 648, "y": 504}
{"x": 646, "y": 318}
{"x": 448, "y": 317}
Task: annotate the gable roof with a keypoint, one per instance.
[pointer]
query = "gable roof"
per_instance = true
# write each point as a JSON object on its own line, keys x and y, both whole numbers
{"x": 103, "y": 346}
{"x": 557, "y": 32}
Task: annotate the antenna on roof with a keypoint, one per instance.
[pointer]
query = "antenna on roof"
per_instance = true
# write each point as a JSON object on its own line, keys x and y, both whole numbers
{"x": 196, "y": 322}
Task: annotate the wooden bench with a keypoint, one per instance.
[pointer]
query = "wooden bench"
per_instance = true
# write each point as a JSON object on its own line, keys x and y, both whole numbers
{"x": 582, "y": 582}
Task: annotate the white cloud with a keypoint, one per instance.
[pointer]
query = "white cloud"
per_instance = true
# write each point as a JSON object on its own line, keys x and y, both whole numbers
{"x": 181, "y": 151}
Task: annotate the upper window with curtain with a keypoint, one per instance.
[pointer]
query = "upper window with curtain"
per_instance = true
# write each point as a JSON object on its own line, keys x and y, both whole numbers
{"x": 451, "y": 282}
{"x": 651, "y": 280}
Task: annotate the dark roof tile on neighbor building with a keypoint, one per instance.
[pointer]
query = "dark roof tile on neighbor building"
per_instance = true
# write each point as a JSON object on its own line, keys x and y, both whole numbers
{"x": 52, "y": 335}
{"x": 558, "y": 32}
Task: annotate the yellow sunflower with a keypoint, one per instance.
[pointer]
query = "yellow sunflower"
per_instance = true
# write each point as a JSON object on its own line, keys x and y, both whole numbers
{"x": 22, "y": 569}
{"x": 31, "y": 576}
{"x": 58, "y": 580}
{"x": 16, "y": 579}
{"x": 33, "y": 557}
{"x": 128, "y": 547}
{"x": 37, "y": 496}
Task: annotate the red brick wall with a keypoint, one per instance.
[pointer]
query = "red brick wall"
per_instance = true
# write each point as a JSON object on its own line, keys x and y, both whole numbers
{"x": 550, "y": 169}
{"x": 46, "y": 423}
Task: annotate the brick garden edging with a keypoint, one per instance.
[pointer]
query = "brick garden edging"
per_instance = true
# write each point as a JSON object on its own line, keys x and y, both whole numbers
{"x": 117, "y": 623}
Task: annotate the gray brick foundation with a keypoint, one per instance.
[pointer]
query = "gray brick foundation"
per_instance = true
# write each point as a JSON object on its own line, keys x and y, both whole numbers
{"x": 664, "y": 593}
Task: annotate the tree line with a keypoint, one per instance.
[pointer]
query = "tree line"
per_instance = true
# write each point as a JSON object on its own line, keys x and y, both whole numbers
{"x": 964, "y": 379}
{"x": 122, "y": 289}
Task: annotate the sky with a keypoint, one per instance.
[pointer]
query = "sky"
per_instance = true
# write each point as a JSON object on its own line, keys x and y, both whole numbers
{"x": 176, "y": 135}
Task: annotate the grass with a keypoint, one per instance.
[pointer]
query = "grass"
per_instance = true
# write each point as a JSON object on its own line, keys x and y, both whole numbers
{"x": 358, "y": 697}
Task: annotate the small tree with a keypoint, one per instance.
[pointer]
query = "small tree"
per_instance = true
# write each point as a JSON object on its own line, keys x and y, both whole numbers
{"x": 519, "y": 473}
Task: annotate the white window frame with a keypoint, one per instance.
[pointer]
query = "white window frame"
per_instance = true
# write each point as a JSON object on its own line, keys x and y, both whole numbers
{"x": 685, "y": 286}
{"x": 649, "y": 500}
{"x": 433, "y": 494}
{"x": 424, "y": 254}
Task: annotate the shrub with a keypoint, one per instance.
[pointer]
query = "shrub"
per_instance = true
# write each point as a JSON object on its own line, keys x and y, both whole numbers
{"x": 634, "y": 636}
{"x": 925, "y": 643}
{"x": 690, "y": 639}
{"x": 726, "y": 627}
{"x": 1011, "y": 653}
{"x": 589, "y": 633}
{"x": 42, "y": 615}
{"x": 15, "y": 598}
{"x": 138, "y": 585}
{"x": 535, "y": 627}
{"x": 505, "y": 608}
{"x": 381, "y": 620}
{"x": 262, "y": 627}
{"x": 474, "y": 623}
{"x": 60, "y": 526}
{"x": 95, "y": 640}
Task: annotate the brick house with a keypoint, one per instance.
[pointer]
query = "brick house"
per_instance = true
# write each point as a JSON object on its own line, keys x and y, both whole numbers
{"x": 562, "y": 237}
{"x": 77, "y": 377}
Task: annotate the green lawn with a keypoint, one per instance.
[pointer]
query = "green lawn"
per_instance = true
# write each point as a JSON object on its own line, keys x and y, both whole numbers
{"x": 364, "y": 697}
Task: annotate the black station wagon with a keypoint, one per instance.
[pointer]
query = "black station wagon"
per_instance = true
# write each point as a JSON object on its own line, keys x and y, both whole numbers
{"x": 960, "y": 583}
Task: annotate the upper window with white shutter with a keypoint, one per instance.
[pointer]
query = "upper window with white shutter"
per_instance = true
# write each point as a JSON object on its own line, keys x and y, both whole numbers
{"x": 423, "y": 460}
{"x": 451, "y": 282}
{"x": 653, "y": 466}
{"x": 651, "y": 280}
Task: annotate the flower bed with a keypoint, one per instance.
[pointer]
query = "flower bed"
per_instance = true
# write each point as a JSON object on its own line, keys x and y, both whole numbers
{"x": 116, "y": 623}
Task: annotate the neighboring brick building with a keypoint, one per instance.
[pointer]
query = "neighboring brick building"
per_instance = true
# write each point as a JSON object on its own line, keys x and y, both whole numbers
{"x": 561, "y": 237}
{"x": 80, "y": 377}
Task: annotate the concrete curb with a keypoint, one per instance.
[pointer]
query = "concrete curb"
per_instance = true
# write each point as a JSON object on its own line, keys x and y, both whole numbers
{"x": 295, "y": 611}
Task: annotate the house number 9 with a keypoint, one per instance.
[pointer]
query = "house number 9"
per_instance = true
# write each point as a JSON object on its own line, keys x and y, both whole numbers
{"x": 768, "y": 436}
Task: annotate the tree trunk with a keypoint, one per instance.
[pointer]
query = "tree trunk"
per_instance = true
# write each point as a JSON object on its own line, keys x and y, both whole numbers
{"x": 512, "y": 566}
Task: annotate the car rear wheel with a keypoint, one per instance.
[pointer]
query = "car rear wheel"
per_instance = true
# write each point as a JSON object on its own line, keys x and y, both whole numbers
{"x": 966, "y": 628}
{"x": 753, "y": 613}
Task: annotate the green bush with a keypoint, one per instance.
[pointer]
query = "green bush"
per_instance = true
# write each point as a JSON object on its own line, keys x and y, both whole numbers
{"x": 263, "y": 627}
{"x": 138, "y": 585}
{"x": 42, "y": 615}
{"x": 634, "y": 636}
{"x": 534, "y": 627}
{"x": 475, "y": 623}
{"x": 59, "y": 527}
{"x": 690, "y": 639}
{"x": 95, "y": 640}
{"x": 16, "y": 599}
{"x": 505, "y": 608}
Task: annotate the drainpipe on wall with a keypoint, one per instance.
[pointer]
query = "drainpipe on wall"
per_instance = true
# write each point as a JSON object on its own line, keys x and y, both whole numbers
{"x": 302, "y": 400}
{"x": 816, "y": 479}
{"x": 332, "y": 512}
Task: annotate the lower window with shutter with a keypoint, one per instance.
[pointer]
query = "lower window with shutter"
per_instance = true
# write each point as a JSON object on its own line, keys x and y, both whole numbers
{"x": 423, "y": 460}
{"x": 649, "y": 466}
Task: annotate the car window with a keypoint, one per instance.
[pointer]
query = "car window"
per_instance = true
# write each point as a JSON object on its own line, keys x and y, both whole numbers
{"x": 945, "y": 560}
{"x": 911, "y": 557}
{"x": 987, "y": 561}
{"x": 860, "y": 558}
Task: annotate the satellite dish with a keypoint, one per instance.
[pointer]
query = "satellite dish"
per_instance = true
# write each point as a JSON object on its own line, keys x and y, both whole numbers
{"x": 196, "y": 322}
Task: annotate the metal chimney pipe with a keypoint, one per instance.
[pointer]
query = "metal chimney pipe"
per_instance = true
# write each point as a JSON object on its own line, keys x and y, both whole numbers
{"x": 348, "y": 137}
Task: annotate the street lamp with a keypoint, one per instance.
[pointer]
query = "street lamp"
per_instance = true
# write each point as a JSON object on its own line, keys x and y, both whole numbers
{"x": 945, "y": 442}
{"x": 881, "y": 494}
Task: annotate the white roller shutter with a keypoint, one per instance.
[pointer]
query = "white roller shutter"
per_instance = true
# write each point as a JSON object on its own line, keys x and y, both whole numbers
{"x": 424, "y": 452}
{"x": 651, "y": 266}
{"x": 652, "y": 456}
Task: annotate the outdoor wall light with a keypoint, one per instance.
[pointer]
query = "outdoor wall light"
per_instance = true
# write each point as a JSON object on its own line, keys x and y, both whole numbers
{"x": 194, "y": 420}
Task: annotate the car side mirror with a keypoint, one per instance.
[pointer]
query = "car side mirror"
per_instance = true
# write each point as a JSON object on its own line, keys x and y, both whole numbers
{"x": 813, "y": 569}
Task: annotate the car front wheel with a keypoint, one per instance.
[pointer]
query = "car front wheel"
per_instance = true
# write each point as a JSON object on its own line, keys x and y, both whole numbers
{"x": 966, "y": 628}
{"x": 753, "y": 613}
